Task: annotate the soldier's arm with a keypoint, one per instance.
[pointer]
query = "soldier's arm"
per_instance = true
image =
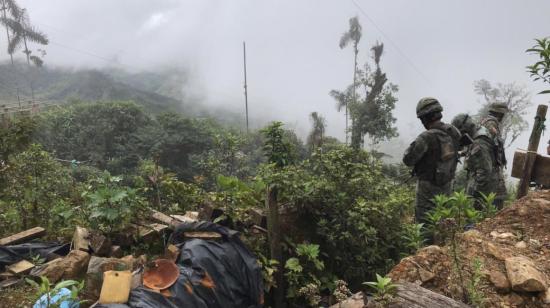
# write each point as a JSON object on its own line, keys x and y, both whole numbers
{"x": 415, "y": 151}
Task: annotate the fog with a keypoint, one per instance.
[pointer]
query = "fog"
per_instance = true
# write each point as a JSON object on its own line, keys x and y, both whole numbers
{"x": 433, "y": 48}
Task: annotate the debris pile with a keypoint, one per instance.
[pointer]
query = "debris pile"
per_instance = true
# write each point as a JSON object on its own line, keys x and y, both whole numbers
{"x": 204, "y": 264}
{"x": 513, "y": 249}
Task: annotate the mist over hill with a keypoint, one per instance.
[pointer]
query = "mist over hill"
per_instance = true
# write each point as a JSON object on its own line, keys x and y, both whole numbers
{"x": 156, "y": 91}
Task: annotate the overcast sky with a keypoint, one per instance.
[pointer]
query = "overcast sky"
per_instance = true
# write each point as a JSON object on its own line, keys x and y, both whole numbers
{"x": 433, "y": 48}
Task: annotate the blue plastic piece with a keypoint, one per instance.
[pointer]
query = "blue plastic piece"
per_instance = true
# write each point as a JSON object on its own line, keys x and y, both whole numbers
{"x": 63, "y": 293}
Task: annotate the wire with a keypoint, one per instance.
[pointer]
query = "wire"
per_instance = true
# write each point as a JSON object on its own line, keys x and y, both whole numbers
{"x": 407, "y": 59}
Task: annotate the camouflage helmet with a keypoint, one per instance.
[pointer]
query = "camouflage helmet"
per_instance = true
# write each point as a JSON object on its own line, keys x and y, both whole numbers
{"x": 464, "y": 123}
{"x": 498, "y": 108}
{"x": 427, "y": 105}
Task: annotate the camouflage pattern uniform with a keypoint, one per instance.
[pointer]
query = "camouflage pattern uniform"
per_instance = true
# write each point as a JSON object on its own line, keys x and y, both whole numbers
{"x": 492, "y": 124}
{"x": 481, "y": 164}
{"x": 423, "y": 154}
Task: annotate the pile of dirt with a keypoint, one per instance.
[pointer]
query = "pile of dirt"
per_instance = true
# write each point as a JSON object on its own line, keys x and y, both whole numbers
{"x": 512, "y": 251}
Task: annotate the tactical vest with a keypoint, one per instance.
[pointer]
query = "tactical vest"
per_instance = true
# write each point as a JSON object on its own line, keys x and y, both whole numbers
{"x": 438, "y": 165}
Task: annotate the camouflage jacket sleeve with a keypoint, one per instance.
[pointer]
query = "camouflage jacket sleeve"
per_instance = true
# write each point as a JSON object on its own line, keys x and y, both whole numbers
{"x": 492, "y": 126}
{"x": 480, "y": 166}
{"x": 416, "y": 151}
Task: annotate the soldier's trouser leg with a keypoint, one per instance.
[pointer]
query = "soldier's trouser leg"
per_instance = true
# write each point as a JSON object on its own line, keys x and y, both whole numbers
{"x": 501, "y": 192}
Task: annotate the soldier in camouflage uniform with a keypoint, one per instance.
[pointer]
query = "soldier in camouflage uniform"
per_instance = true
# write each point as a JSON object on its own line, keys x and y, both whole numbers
{"x": 433, "y": 156}
{"x": 492, "y": 122}
{"x": 480, "y": 161}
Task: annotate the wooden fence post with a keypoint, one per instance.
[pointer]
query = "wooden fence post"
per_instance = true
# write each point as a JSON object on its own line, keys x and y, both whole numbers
{"x": 274, "y": 235}
{"x": 531, "y": 154}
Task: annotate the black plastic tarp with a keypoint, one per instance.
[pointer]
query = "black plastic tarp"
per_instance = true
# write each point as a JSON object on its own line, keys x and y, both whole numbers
{"x": 46, "y": 250}
{"x": 214, "y": 274}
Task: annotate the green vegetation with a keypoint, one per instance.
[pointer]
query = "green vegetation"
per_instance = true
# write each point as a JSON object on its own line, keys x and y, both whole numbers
{"x": 45, "y": 288}
{"x": 384, "y": 290}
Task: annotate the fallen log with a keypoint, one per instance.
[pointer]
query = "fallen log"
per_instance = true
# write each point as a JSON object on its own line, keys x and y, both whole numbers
{"x": 24, "y": 236}
{"x": 165, "y": 219}
{"x": 407, "y": 296}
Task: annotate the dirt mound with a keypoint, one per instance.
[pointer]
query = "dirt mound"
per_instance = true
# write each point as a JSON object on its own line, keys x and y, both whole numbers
{"x": 508, "y": 256}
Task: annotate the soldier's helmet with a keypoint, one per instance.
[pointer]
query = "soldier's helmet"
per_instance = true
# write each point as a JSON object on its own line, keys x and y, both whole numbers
{"x": 464, "y": 123}
{"x": 427, "y": 105}
{"x": 500, "y": 108}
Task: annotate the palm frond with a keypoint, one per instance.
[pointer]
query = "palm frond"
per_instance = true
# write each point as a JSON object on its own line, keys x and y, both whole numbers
{"x": 14, "y": 43}
{"x": 13, "y": 8}
{"x": 36, "y": 36}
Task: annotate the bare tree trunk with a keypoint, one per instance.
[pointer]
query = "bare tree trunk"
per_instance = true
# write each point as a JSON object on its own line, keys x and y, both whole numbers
{"x": 27, "y": 52}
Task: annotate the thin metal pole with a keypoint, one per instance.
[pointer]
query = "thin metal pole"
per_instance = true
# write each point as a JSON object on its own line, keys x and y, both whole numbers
{"x": 245, "y": 86}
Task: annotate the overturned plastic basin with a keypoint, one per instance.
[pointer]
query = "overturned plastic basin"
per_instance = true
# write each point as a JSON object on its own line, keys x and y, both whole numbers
{"x": 161, "y": 274}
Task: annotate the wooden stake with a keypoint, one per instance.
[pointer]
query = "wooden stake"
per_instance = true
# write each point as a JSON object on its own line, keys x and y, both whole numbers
{"x": 532, "y": 151}
{"x": 274, "y": 235}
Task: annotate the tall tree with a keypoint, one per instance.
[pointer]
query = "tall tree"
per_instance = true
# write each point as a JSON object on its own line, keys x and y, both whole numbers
{"x": 516, "y": 97}
{"x": 353, "y": 36}
{"x": 23, "y": 34}
{"x": 10, "y": 7}
{"x": 541, "y": 69}
{"x": 371, "y": 112}
{"x": 315, "y": 137}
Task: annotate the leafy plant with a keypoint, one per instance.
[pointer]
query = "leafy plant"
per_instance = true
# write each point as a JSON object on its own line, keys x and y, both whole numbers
{"x": 302, "y": 273}
{"x": 110, "y": 205}
{"x": 488, "y": 205}
{"x": 413, "y": 237}
{"x": 541, "y": 69}
{"x": 384, "y": 289}
{"x": 476, "y": 296}
{"x": 45, "y": 288}
{"x": 269, "y": 267}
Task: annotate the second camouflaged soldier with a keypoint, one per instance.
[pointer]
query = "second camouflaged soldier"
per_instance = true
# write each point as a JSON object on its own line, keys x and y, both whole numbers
{"x": 433, "y": 156}
{"x": 480, "y": 161}
{"x": 492, "y": 122}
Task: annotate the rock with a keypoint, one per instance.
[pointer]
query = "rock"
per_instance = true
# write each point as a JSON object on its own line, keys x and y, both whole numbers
{"x": 521, "y": 245}
{"x": 472, "y": 236}
{"x": 493, "y": 250}
{"x": 506, "y": 235}
{"x": 535, "y": 243}
{"x": 355, "y": 301}
{"x": 545, "y": 296}
{"x": 101, "y": 245}
{"x": 515, "y": 300}
{"x": 96, "y": 267}
{"x": 81, "y": 239}
{"x": 72, "y": 266}
{"x": 116, "y": 252}
{"x": 500, "y": 281}
{"x": 75, "y": 264}
{"x": 425, "y": 275}
{"x": 494, "y": 234}
{"x": 523, "y": 275}
{"x": 52, "y": 270}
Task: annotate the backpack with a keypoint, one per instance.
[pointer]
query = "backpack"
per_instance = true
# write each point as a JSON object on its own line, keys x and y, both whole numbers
{"x": 445, "y": 156}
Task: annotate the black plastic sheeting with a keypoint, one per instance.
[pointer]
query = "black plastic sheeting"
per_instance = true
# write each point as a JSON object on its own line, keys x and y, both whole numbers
{"x": 214, "y": 274}
{"x": 47, "y": 250}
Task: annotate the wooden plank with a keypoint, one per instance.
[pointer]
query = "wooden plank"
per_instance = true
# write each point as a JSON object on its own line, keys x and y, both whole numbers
{"x": 24, "y": 236}
{"x": 148, "y": 232}
{"x": 541, "y": 171}
{"x": 534, "y": 140}
{"x": 165, "y": 219}
{"x": 189, "y": 216}
{"x": 202, "y": 235}
{"x": 21, "y": 268}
